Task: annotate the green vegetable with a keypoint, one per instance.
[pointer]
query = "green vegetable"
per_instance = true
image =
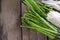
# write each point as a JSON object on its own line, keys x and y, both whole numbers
{"x": 35, "y": 18}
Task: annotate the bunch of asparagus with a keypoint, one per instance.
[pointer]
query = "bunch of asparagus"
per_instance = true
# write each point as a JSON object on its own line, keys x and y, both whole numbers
{"x": 35, "y": 18}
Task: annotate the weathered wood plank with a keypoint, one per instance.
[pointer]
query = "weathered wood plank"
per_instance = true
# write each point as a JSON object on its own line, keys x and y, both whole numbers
{"x": 40, "y": 36}
{"x": 1, "y": 29}
{"x": 33, "y": 35}
{"x": 9, "y": 17}
{"x": 25, "y": 35}
{"x": 1, "y": 26}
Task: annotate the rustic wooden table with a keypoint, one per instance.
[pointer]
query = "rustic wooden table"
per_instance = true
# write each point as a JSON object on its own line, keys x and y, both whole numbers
{"x": 10, "y": 20}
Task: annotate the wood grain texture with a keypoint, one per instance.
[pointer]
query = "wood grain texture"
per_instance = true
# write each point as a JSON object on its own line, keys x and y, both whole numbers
{"x": 33, "y": 35}
{"x": 10, "y": 12}
{"x": 40, "y": 36}
{"x": 25, "y": 35}
{"x": 1, "y": 26}
{"x": 1, "y": 29}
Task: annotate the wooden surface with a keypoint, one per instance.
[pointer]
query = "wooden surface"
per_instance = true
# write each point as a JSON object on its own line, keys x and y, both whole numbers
{"x": 11, "y": 13}
{"x": 9, "y": 17}
{"x": 1, "y": 28}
